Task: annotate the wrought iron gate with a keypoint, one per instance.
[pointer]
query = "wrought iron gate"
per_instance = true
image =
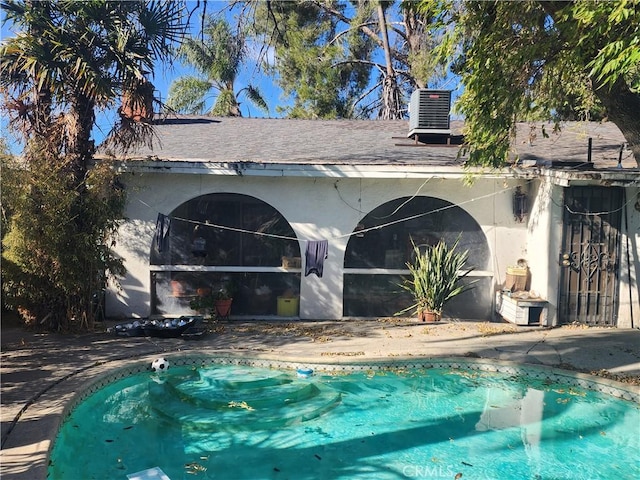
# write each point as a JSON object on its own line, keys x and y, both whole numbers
{"x": 591, "y": 245}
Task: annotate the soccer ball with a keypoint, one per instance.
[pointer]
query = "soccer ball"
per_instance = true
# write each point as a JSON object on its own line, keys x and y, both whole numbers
{"x": 159, "y": 365}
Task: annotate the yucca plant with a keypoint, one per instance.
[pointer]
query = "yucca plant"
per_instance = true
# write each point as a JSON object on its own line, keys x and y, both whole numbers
{"x": 436, "y": 277}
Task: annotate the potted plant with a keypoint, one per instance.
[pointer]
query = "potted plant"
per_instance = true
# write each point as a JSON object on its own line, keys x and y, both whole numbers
{"x": 203, "y": 304}
{"x": 216, "y": 304}
{"x": 436, "y": 277}
{"x": 222, "y": 302}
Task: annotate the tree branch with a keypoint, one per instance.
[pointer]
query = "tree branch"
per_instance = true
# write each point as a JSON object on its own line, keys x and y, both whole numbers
{"x": 622, "y": 107}
{"x": 380, "y": 67}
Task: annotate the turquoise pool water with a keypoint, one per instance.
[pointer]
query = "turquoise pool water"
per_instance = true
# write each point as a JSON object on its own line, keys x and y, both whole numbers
{"x": 240, "y": 422}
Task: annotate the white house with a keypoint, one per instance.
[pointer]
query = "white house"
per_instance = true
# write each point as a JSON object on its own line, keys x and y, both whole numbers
{"x": 235, "y": 201}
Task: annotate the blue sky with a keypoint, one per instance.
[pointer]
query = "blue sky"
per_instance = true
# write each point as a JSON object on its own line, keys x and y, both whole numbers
{"x": 250, "y": 73}
{"x": 166, "y": 74}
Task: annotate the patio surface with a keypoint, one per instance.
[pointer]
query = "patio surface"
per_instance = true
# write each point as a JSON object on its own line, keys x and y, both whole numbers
{"x": 40, "y": 372}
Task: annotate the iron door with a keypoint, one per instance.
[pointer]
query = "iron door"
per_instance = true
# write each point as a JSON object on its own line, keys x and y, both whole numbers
{"x": 591, "y": 245}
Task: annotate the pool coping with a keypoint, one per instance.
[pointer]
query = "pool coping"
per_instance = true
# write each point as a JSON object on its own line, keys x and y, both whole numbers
{"x": 56, "y": 401}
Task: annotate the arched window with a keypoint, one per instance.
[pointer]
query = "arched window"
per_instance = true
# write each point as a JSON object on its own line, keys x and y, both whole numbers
{"x": 224, "y": 240}
{"x": 381, "y": 245}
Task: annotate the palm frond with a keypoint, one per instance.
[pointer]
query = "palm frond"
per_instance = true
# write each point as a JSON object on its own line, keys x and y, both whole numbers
{"x": 217, "y": 56}
{"x": 253, "y": 94}
{"x": 163, "y": 25}
{"x": 196, "y": 54}
{"x": 186, "y": 95}
{"x": 226, "y": 105}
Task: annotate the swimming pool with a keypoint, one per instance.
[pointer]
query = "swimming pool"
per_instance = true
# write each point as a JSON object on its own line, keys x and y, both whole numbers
{"x": 231, "y": 419}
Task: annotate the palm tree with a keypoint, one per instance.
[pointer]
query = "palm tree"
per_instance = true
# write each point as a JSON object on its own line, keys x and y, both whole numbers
{"x": 82, "y": 56}
{"x": 68, "y": 60}
{"x": 217, "y": 57}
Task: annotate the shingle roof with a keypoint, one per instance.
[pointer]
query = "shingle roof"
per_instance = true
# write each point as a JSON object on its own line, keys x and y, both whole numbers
{"x": 355, "y": 142}
{"x": 571, "y": 144}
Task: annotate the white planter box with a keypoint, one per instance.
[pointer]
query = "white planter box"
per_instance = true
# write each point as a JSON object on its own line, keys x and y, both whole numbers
{"x": 529, "y": 311}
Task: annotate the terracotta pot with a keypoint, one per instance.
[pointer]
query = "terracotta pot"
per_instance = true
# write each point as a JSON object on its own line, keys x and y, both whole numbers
{"x": 429, "y": 317}
{"x": 203, "y": 292}
{"x": 177, "y": 288}
{"x": 223, "y": 308}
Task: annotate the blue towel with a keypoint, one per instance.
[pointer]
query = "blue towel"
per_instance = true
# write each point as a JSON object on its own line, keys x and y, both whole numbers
{"x": 315, "y": 256}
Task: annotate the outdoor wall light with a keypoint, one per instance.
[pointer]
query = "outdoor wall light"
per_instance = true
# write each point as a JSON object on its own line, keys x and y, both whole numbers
{"x": 520, "y": 209}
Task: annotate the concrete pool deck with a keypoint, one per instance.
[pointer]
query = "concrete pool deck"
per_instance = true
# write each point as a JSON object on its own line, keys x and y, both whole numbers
{"x": 41, "y": 372}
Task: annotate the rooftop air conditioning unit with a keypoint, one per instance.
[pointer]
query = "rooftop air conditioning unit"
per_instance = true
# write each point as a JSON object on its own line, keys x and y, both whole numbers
{"x": 429, "y": 112}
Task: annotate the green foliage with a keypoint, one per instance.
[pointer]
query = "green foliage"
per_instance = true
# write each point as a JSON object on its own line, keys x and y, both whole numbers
{"x": 207, "y": 303}
{"x": 55, "y": 246}
{"x": 306, "y": 63}
{"x": 426, "y": 29}
{"x": 217, "y": 56}
{"x": 327, "y": 56}
{"x": 503, "y": 73}
{"x": 223, "y": 51}
{"x": 188, "y": 94}
{"x": 7, "y": 190}
{"x": 255, "y": 96}
{"x": 60, "y": 211}
{"x": 93, "y": 48}
{"x": 436, "y": 277}
{"x": 534, "y": 60}
{"x": 225, "y": 105}
{"x": 612, "y": 32}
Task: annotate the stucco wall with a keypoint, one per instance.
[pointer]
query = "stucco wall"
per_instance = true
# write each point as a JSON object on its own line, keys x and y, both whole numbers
{"x": 544, "y": 239}
{"x": 544, "y": 247}
{"x": 316, "y": 208}
{"x": 629, "y": 295}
